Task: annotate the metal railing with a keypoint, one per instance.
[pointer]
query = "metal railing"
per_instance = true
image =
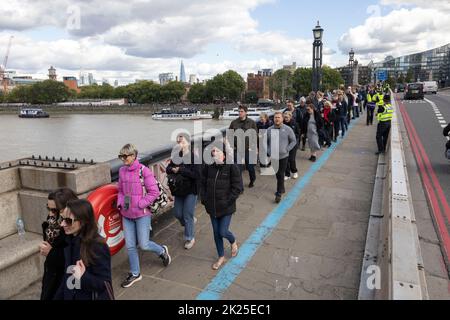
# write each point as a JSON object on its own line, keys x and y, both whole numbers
{"x": 392, "y": 247}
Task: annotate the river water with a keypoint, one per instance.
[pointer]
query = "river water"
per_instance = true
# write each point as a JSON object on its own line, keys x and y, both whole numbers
{"x": 90, "y": 136}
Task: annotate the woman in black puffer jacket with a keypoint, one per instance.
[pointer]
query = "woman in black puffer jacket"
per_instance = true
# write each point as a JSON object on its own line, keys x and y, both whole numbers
{"x": 220, "y": 188}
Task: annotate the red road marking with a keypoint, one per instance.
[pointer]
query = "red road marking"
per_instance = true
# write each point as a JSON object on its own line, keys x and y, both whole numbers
{"x": 425, "y": 168}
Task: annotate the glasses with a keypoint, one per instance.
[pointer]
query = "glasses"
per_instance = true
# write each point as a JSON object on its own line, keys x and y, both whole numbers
{"x": 68, "y": 221}
{"x": 124, "y": 156}
{"x": 53, "y": 210}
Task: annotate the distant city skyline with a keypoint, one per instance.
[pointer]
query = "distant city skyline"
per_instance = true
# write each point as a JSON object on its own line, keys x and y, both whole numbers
{"x": 141, "y": 40}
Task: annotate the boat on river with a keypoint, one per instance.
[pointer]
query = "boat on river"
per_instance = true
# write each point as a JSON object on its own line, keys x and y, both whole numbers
{"x": 184, "y": 114}
{"x": 33, "y": 113}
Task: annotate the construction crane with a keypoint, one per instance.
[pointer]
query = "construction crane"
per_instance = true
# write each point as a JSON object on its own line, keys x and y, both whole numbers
{"x": 3, "y": 76}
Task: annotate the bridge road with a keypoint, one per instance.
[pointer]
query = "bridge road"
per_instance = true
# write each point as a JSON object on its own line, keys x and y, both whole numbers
{"x": 427, "y": 146}
{"x": 311, "y": 245}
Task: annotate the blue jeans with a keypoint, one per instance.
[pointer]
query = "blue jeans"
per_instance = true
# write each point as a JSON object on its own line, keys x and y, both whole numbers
{"x": 183, "y": 210}
{"x": 138, "y": 231}
{"x": 343, "y": 124}
{"x": 220, "y": 229}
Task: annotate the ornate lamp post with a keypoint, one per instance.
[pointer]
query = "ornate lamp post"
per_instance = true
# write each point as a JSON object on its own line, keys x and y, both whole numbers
{"x": 351, "y": 64}
{"x": 317, "y": 57}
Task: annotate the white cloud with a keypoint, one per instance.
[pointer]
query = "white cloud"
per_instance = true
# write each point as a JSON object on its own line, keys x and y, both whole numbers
{"x": 403, "y": 31}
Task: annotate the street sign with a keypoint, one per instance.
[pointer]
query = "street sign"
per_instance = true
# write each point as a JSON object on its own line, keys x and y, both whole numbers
{"x": 382, "y": 75}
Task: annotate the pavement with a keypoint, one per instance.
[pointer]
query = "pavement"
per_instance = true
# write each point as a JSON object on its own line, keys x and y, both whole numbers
{"x": 313, "y": 251}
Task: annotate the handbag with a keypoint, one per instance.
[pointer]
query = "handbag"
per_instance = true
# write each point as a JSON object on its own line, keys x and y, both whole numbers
{"x": 109, "y": 290}
{"x": 161, "y": 201}
{"x": 180, "y": 186}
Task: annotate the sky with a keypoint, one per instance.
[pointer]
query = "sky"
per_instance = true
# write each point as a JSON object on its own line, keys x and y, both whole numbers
{"x": 139, "y": 39}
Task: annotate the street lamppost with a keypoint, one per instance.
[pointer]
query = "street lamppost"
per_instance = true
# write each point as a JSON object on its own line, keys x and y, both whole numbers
{"x": 351, "y": 64}
{"x": 317, "y": 57}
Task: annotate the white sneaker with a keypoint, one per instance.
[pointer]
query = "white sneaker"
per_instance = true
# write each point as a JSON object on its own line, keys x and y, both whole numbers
{"x": 287, "y": 178}
{"x": 295, "y": 176}
{"x": 189, "y": 244}
{"x": 195, "y": 220}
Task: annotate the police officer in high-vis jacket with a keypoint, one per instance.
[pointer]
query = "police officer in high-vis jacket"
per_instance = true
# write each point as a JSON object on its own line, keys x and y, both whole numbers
{"x": 384, "y": 117}
{"x": 372, "y": 98}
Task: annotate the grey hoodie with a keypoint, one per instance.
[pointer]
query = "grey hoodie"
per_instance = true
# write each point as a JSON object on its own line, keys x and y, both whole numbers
{"x": 287, "y": 141}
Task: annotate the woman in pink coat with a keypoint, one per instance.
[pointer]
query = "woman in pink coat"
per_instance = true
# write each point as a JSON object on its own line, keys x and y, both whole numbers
{"x": 133, "y": 200}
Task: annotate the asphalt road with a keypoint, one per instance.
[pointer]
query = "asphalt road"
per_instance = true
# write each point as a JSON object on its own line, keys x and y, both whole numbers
{"x": 427, "y": 119}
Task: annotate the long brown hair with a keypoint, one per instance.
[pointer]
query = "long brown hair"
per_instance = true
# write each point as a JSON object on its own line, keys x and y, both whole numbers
{"x": 83, "y": 212}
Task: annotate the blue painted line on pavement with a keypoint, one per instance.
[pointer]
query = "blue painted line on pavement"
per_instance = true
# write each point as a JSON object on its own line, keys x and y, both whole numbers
{"x": 226, "y": 276}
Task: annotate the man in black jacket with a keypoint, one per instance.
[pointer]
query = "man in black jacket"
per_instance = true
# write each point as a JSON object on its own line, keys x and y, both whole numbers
{"x": 245, "y": 123}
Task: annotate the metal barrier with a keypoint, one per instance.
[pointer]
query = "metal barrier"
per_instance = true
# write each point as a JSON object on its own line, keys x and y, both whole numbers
{"x": 392, "y": 255}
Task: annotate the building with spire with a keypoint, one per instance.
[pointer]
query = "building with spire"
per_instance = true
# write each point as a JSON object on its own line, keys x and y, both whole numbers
{"x": 182, "y": 73}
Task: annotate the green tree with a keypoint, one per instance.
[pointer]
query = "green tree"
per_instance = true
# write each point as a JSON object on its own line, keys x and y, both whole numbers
{"x": 391, "y": 82}
{"x": 197, "y": 93}
{"x": 234, "y": 85}
{"x": 251, "y": 97}
{"x": 401, "y": 78}
{"x": 331, "y": 78}
{"x": 302, "y": 81}
{"x": 282, "y": 83}
{"x": 172, "y": 92}
{"x": 409, "y": 76}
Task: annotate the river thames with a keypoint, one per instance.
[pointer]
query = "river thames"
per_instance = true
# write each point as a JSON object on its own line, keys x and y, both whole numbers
{"x": 90, "y": 136}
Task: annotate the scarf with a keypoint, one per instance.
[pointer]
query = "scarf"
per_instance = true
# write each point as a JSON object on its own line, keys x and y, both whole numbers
{"x": 54, "y": 228}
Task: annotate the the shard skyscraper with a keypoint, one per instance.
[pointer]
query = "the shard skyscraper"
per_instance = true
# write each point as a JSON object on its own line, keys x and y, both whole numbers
{"x": 182, "y": 73}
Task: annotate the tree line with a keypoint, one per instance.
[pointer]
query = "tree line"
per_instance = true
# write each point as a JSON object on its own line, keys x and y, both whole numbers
{"x": 226, "y": 87}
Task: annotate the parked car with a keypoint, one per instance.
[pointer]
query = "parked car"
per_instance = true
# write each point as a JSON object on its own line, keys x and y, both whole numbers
{"x": 414, "y": 91}
{"x": 430, "y": 87}
{"x": 400, "y": 87}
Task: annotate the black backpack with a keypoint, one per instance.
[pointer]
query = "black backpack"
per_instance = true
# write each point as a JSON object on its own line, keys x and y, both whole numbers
{"x": 179, "y": 185}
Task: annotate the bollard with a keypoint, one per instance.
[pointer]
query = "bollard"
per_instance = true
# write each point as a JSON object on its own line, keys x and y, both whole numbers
{"x": 65, "y": 165}
{"x": 57, "y": 165}
{"x": 10, "y": 164}
{"x": 76, "y": 160}
{"x": 92, "y": 161}
{"x": 84, "y": 160}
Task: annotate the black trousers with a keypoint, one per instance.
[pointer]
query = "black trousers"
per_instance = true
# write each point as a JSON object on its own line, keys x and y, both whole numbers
{"x": 282, "y": 164}
{"x": 370, "y": 113}
{"x": 292, "y": 162}
{"x": 336, "y": 127}
{"x": 383, "y": 130}
{"x": 247, "y": 166}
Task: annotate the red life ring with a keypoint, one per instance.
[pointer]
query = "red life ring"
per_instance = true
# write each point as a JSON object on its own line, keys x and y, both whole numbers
{"x": 109, "y": 220}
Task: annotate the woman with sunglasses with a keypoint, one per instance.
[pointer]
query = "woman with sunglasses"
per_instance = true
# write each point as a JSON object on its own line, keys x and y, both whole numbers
{"x": 220, "y": 188}
{"x": 52, "y": 248}
{"x": 87, "y": 256}
{"x": 184, "y": 172}
{"x": 133, "y": 201}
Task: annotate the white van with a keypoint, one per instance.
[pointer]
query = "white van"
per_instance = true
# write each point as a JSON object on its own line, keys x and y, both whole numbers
{"x": 430, "y": 87}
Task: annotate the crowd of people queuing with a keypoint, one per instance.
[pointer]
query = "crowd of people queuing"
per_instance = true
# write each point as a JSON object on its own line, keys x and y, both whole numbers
{"x": 78, "y": 261}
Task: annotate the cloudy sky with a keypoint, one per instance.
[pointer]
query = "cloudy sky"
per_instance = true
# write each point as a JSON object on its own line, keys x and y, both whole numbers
{"x": 138, "y": 39}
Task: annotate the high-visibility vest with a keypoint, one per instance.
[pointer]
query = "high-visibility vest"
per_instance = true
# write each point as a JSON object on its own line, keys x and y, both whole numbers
{"x": 379, "y": 97}
{"x": 387, "y": 114}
